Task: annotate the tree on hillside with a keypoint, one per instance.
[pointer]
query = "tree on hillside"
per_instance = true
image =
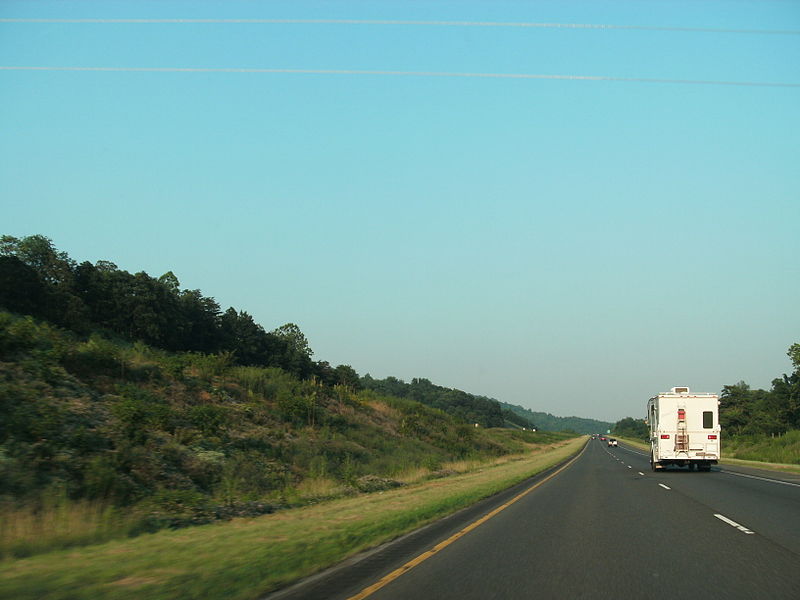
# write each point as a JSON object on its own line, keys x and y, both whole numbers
{"x": 631, "y": 428}
{"x": 294, "y": 338}
{"x": 199, "y": 319}
{"x": 21, "y": 289}
{"x": 56, "y": 300}
{"x": 242, "y": 335}
{"x": 786, "y": 390}
{"x": 736, "y": 408}
{"x": 39, "y": 253}
{"x": 346, "y": 375}
{"x": 292, "y": 352}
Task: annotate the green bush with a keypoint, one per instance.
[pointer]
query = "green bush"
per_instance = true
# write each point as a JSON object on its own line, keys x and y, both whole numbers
{"x": 97, "y": 356}
{"x": 138, "y": 411}
{"x": 211, "y": 419}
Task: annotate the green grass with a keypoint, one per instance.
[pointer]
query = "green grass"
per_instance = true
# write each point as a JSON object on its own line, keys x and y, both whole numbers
{"x": 246, "y": 558}
{"x": 767, "y": 466}
{"x": 636, "y": 443}
{"x": 782, "y": 449}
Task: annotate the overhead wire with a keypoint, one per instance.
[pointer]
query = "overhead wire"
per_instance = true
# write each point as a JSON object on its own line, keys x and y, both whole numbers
{"x": 359, "y": 72}
{"x": 532, "y": 25}
{"x": 542, "y": 25}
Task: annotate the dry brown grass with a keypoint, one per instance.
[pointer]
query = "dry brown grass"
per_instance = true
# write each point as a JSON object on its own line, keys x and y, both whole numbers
{"x": 413, "y": 475}
{"x": 61, "y": 524}
{"x": 386, "y": 416}
{"x": 318, "y": 487}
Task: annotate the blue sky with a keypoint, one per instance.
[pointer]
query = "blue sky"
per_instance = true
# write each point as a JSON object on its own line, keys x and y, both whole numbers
{"x": 571, "y": 246}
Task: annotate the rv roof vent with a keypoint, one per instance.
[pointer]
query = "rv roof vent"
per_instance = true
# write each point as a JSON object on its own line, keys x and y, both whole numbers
{"x": 680, "y": 390}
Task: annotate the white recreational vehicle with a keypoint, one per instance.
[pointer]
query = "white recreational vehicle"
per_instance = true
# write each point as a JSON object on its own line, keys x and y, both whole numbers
{"x": 684, "y": 429}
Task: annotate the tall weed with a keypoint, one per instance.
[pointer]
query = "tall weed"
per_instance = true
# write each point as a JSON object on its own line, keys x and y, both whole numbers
{"x": 29, "y": 530}
{"x": 783, "y": 449}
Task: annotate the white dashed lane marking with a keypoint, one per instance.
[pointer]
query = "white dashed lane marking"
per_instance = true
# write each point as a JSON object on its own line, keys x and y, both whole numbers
{"x": 665, "y": 486}
{"x": 741, "y": 528}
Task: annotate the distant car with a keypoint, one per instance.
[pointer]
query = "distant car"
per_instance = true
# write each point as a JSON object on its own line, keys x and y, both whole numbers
{"x": 612, "y": 441}
{"x": 602, "y": 438}
{"x": 594, "y": 437}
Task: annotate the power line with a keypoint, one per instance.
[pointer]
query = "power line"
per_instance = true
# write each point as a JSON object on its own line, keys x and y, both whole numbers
{"x": 403, "y": 74}
{"x": 410, "y": 22}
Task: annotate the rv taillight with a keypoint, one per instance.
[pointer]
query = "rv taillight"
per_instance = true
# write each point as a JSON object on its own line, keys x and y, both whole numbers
{"x": 712, "y": 437}
{"x": 664, "y": 436}
{"x": 681, "y": 414}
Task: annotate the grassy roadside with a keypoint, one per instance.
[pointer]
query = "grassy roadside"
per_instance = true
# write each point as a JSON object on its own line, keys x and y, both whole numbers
{"x": 246, "y": 558}
{"x": 634, "y": 443}
{"x": 767, "y": 466}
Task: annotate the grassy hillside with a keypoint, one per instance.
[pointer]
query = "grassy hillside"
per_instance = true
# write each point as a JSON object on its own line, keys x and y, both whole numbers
{"x": 128, "y": 438}
{"x": 174, "y": 565}
{"x": 467, "y": 407}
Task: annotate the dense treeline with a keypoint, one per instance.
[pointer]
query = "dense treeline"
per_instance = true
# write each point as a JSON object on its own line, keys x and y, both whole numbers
{"x": 635, "y": 429}
{"x": 36, "y": 279}
{"x": 745, "y": 411}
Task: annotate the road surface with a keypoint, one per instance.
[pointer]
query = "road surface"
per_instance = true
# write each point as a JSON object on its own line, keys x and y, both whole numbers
{"x": 603, "y": 527}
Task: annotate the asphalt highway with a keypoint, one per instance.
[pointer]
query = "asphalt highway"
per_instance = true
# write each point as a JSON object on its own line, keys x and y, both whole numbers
{"x": 603, "y": 527}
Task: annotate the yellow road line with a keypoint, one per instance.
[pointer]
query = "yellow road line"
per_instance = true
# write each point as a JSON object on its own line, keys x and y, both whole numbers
{"x": 441, "y": 545}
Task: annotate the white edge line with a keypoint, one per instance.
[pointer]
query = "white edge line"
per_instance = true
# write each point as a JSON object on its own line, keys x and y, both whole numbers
{"x": 760, "y": 478}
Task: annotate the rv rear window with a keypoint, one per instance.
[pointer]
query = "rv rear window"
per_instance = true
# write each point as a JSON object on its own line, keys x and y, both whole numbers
{"x": 708, "y": 419}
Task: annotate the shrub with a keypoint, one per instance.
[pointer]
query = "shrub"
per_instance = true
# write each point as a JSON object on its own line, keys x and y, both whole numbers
{"x": 97, "y": 356}
{"x": 373, "y": 483}
{"x": 209, "y": 418}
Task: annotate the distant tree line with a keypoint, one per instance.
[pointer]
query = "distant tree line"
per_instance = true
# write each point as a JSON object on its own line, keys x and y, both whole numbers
{"x": 745, "y": 411}
{"x": 631, "y": 428}
{"x": 39, "y": 280}
{"x": 548, "y": 422}
{"x": 516, "y": 420}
